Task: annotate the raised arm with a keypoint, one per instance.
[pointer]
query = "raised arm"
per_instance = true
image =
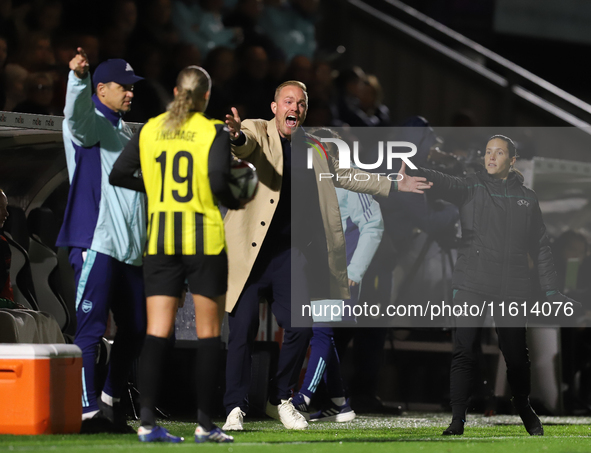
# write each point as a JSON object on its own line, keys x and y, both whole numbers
{"x": 79, "y": 109}
{"x": 449, "y": 188}
{"x": 243, "y": 140}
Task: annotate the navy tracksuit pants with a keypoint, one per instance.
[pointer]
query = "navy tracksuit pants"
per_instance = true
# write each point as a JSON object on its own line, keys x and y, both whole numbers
{"x": 104, "y": 283}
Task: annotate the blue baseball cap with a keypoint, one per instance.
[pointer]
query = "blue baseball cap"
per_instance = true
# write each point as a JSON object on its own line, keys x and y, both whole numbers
{"x": 115, "y": 70}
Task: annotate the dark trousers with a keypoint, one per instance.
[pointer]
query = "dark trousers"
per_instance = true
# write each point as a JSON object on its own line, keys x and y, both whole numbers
{"x": 464, "y": 363}
{"x": 271, "y": 278}
{"x": 367, "y": 357}
{"x": 104, "y": 284}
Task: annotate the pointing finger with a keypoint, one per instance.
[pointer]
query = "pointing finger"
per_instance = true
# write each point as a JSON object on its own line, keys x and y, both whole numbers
{"x": 82, "y": 53}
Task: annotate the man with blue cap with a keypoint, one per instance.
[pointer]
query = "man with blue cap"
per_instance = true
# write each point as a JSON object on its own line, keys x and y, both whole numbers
{"x": 104, "y": 229}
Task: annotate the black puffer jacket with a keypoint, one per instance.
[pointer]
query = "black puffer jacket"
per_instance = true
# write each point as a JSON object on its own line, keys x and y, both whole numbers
{"x": 501, "y": 225}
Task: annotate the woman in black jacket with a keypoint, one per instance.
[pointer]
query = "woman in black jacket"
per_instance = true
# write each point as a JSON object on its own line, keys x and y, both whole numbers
{"x": 501, "y": 227}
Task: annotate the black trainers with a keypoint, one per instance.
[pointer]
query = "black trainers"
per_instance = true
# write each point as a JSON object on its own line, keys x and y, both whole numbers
{"x": 456, "y": 428}
{"x": 116, "y": 416}
{"x": 97, "y": 424}
{"x": 532, "y": 423}
{"x": 372, "y": 404}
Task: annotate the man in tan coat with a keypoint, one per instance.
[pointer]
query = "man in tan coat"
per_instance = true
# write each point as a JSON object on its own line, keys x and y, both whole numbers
{"x": 263, "y": 261}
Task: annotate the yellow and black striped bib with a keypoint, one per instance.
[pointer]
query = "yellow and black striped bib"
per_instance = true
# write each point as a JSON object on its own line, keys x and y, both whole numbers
{"x": 184, "y": 218}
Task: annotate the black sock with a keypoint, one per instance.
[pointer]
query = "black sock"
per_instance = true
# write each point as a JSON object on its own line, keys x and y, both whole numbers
{"x": 208, "y": 360}
{"x": 459, "y": 413}
{"x": 150, "y": 376}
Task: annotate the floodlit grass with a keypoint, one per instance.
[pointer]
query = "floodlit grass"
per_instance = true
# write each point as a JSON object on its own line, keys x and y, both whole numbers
{"x": 412, "y": 432}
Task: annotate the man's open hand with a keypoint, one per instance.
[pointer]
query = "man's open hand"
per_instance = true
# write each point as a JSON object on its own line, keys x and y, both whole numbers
{"x": 414, "y": 184}
{"x": 234, "y": 123}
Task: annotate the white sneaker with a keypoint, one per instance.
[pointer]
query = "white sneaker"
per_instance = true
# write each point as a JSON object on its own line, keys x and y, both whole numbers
{"x": 271, "y": 411}
{"x": 215, "y": 435}
{"x": 235, "y": 420}
{"x": 287, "y": 414}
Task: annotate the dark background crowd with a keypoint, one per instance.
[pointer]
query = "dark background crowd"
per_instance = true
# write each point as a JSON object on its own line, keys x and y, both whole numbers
{"x": 249, "y": 47}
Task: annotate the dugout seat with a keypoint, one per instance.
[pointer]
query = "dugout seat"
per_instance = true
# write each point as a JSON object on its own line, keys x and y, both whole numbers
{"x": 17, "y": 235}
{"x": 44, "y": 269}
{"x": 16, "y": 328}
{"x": 17, "y": 226}
{"x": 28, "y": 326}
{"x": 21, "y": 277}
{"x": 45, "y": 266}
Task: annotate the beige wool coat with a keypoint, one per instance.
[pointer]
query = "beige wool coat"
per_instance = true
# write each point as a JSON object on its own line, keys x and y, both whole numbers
{"x": 246, "y": 228}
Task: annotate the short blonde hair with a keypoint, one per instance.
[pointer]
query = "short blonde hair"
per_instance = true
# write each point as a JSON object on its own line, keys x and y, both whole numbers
{"x": 291, "y": 83}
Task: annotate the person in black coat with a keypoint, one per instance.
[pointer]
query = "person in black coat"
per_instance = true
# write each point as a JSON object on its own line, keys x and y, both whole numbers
{"x": 501, "y": 226}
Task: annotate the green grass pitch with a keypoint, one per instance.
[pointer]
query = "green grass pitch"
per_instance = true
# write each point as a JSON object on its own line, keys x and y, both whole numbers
{"x": 412, "y": 432}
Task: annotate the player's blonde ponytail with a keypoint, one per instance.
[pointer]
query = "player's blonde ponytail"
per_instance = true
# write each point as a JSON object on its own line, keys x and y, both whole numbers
{"x": 192, "y": 85}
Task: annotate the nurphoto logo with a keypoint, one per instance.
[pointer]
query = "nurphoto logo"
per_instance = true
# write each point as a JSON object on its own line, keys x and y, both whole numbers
{"x": 345, "y": 153}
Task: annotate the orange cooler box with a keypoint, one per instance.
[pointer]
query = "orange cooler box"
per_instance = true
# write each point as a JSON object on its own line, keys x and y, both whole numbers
{"x": 40, "y": 388}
